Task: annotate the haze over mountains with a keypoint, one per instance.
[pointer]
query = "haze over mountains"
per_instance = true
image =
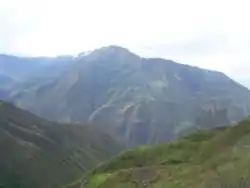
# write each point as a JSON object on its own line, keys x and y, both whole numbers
{"x": 138, "y": 100}
{"x": 23, "y": 68}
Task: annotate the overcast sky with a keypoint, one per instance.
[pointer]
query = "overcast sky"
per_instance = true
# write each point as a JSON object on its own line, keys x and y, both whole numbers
{"x": 213, "y": 34}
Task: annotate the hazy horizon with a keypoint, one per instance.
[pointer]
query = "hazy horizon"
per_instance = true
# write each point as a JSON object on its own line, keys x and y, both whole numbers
{"x": 208, "y": 34}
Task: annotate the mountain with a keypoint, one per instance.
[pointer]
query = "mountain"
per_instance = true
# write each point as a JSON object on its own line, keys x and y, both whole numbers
{"x": 5, "y": 85}
{"x": 5, "y": 80}
{"x": 39, "y": 153}
{"x": 4, "y": 94}
{"x": 139, "y": 100}
{"x": 218, "y": 158}
{"x": 28, "y": 73}
{"x": 24, "y": 68}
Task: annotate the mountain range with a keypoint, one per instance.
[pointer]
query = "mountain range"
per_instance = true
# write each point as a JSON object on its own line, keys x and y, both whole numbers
{"x": 138, "y": 100}
{"x": 63, "y": 119}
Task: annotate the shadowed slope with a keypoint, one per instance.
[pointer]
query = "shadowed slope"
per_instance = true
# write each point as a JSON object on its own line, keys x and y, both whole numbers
{"x": 39, "y": 153}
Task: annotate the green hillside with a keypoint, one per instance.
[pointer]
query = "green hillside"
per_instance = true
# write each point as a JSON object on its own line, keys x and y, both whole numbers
{"x": 42, "y": 154}
{"x": 217, "y": 158}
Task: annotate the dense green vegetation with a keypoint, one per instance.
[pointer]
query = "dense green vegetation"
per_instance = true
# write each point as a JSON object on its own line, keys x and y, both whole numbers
{"x": 218, "y": 158}
{"x": 39, "y": 153}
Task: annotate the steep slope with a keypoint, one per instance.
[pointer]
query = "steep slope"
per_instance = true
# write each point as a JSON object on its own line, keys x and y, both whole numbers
{"x": 38, "y": 153}
{"x": 218, "y": 158}
{"x": 137, "y": 99}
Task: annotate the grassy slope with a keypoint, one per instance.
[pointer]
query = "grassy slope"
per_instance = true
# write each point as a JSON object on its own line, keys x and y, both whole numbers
{"x": 38, "y": 153}
{"x": 193, "y": 161}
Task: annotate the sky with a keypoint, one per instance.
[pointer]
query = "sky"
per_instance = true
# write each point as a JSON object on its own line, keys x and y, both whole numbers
{"x": 213, "y": 34}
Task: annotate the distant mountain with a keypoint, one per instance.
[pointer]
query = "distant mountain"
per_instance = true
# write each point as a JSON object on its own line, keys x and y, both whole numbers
{"x": 4, "y": 94}
{"x": 21, "y": 73}
{"x": 23, "y": 68}
{"x": 5, "y": 80}
{"x": 6, "y": 84}
{"x": 218, "y": 158}
{"x": 139, "y": 100}
{"x": 39, "y": 153}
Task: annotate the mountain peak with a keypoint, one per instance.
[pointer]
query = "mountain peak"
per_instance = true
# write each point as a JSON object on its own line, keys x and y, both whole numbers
{"x": 113, "y": 48}
{"x": 107, "y": 51}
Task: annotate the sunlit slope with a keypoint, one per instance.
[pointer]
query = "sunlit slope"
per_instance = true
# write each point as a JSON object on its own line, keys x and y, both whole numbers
{"x": 217, "y": 157}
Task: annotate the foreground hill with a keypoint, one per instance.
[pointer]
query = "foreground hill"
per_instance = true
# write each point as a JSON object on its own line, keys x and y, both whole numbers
{"x": 218, "y": 158}
{"x": 38, "y": 153}
{"x": 137, "y": 99}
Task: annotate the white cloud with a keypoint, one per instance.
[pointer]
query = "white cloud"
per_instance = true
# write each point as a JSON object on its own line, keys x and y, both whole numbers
{"x": 213, "y": 34}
